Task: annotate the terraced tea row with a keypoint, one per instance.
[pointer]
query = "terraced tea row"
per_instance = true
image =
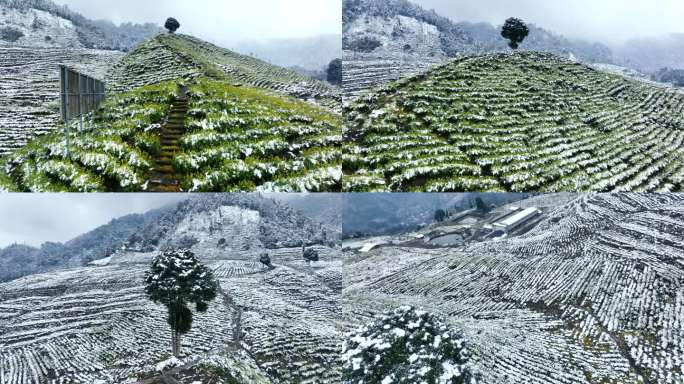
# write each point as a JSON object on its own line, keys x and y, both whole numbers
{"x": 306, "y": 350}
{"x": 29, "y": 88}
{"x": 243, "y": 138}
{"x": 112, "y": 154}
{"x": 594, "y": 293}
{"x": 516, "y": 122}
{"x": 237, "y": 138}
{"x": 168, "y": 57}
{"x": 363, "y": 72}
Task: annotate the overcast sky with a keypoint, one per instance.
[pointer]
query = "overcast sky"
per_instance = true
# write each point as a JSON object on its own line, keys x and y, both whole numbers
{"x": 224, "y": 22}
{"x": 608, "y": 21}
{"x": 35, "y": 218}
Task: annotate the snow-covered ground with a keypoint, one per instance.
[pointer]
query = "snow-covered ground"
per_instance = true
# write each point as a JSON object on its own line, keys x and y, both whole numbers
{"x": 95, "y": 323}
{"x": 633, "y": 74}
{"x": 38, "y": 29}
{"x": 29, "y": 88}
{"x": 593, "y": 293}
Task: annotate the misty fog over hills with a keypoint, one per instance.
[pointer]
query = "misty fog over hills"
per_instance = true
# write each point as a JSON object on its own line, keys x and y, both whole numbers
{"x": 313, "y": 53}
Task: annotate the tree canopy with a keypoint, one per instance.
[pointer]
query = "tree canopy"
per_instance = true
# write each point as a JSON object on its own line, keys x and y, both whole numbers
{"x": 407, "y": 346}
{"x": 177, "y": 279}
{"x": 514, "y": 30}
{"x": 335, "y": 72}
{"x": 172, "y": 25}
{"x": 310, "y": 254}
{"x": 440, "y": 215}
{"x": 480, "y": 205}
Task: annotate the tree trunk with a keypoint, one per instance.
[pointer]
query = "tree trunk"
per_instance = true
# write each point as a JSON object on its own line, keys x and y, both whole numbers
{"x": 173, "y": 343}
{"x": 237, "y": 326}
{"x": 178, "y": 344}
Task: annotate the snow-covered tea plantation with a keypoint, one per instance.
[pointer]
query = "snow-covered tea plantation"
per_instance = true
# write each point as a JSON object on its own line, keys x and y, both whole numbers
{"x": 515, "y": 122}
{"x": 113, "y": 153}
{"x": 244, "y": 138}
{"x": 29, "y": 88}
{"x": 95, "y": 324}
{"x": 365, "y": 71}
{"x": 243, "y": 129}
{"x": 593, "y": 293}
{"x": 237, "y": 138}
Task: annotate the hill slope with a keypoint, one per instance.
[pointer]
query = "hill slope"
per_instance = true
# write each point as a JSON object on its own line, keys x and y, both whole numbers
{"x": 29, "y": 88}
{"x": 592, "y": 294}
{"x": 386, "y": 40}
{"x": 95, "y": 324}
{"x": 233, "y": 138}
{"x": 90, "y": 323}
{"x": 517, "y": 122}
{"x": 169, "y": 57}
{"x": 42, "y": 23}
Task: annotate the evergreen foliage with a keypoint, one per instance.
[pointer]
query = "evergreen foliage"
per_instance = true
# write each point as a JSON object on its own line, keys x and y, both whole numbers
{"x": 335, "y": 72}
{"x": 407, "y": 346}
{"x": 480, "y": 205}
{"x": 265, "y": 259}
{"x": 514, "y": 30}
{"x": 172, "y": 25}
{"x": 177, "y": 279}
{"x": 310, "y": 255}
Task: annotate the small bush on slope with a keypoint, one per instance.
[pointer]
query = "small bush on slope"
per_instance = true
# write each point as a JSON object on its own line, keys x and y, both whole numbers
{"x": 407, "y": 346}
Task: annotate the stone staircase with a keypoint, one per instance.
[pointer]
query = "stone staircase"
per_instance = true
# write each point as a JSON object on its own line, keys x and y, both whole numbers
{"x": 163, "y": 177}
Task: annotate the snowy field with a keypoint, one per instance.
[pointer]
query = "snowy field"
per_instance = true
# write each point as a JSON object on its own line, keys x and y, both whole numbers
{"x": 594, "y": 293}
{"x": 95, "y": 323}
{"x": 29, "y": 88}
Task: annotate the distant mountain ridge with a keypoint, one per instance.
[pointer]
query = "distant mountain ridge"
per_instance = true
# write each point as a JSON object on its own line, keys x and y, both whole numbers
{"x": 278, "y": 225}
{"x": 653, "y": 53}
{"x": 18, "y": 260}
{"x": 405, "y": 21}
{"x": 385, "y": 40}
{"x": 185, "y": 224}
{"x": 42, "y": 23}
{"x": 314, "y": 53}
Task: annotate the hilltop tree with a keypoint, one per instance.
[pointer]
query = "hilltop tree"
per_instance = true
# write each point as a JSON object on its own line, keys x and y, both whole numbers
{"x": 440, "y": 215}
{"x": 335, "y": 72}
{"x": 177, "y": 279}
{"x": 172, "y": 25}
{"x": 514, "y": 30}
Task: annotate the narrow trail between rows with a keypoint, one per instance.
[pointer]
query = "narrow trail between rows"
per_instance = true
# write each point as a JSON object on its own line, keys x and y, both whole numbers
{"x": 163, "y": 177}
